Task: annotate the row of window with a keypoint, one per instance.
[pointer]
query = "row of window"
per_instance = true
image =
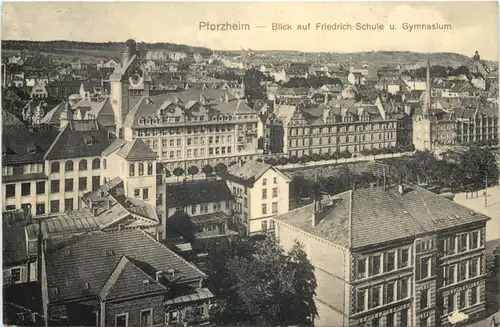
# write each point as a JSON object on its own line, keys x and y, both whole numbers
{"x": 69, "y": 165}
{"x": 177, "y": 119}
{"x": 376, "y": 296}
{"x": 342, "y": 129}
{"x": 462, "y": 299}
{"x": 23, "y": 169}
{"x": 203, "y": 208}
{"x": 145, "y": 193}
{"x": 264, "y": 225}
{"x": 460, "y": 243}
{"x": 351, "y": 148}
{"x": 341, "y": 139}
{"x": 188, "y": 130}
{"x": 140, "y": 170}
{"x": 264, "y": 193}
{"x": 274, "y": 208}
{"x": 459, "y": 272}
{"x": 69, "y": 184}
{"x": 381, "y": 263}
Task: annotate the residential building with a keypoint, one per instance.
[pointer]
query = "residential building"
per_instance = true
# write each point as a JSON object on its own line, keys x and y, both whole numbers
{"x": 261, "y": 192}
{"x": 39, "y": 92}
{"x": 208, "y": 206}
{"x": 125, "y": 278}
{"x": 396, "y": 256}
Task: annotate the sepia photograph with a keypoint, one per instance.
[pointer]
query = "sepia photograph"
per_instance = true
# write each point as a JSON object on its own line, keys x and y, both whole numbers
{"x": 329, "y": 164}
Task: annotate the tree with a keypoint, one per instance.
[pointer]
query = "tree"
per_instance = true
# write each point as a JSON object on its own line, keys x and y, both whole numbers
{"x": 167, "y": 172}
{"x": 271, "y": 161}
{"x": 193, "y": 170}
{"x": 207, "y": 170}
{"x": 259, "y": 160}
{"x": 294, "y": 159}
{"x": 305, "y": 158}
{"x": 178, "y": 172}
{"x": 366, "y": 152}
{"x": 493, "y": 264}
{"x": 270, "y": 287}
{"x": 232, "y": 163}
{"x": 282, "y": 161}
{"x": 316, "y": 157}
{"x": 220, "y": 167}
{"x": 346, "y": 154}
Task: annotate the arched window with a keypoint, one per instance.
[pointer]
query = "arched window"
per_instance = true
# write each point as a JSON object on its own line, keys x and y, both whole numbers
{"x": 150, "y": 168}
{"x": 132, "y": 170}
{"x": 68, "y": 166}
{"x": 96, "y": 164}
{"x": 54, "y": 168}
{"x": 141, "y": 169}
{"x": 82, "y": 165}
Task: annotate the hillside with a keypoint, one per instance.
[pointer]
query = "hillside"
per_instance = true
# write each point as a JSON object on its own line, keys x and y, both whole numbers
{"x": 63, "y": 51}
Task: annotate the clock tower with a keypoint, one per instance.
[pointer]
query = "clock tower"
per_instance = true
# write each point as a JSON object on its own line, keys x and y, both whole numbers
{"x": 130, "y": 82}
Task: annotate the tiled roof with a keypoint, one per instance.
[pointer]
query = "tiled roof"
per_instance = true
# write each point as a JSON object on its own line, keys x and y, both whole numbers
{"x": 14, "y": 243}
{"x": 148, "y": 107}
{"x": 246, "y": 174}
{"x": 52, "y": 117}
{"x": 72, "y": 141}
{"x": 115, "y": 145}
{"x": 9, "y": 119}
{"x": 92, "y": 259}
{"x": 136, "y": 150}
{"x": 129, "y": 280}
{"x": 371, "y": 216}
{"x": 182, "y": 195}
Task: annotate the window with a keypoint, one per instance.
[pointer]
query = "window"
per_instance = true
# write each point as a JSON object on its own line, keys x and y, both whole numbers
{"x": 451, "y": 303}
{"x": 275, "y": 180}
{"x": 68, "y": 204}
{"x": 264, "y": 194}
{"x": 10, "y": 190}
{"x": 54, "y": 206}
{"x": 82, "y": 165}
{"x": 25, "y": 189}
{"x": 451, "y": 274}
{"x": 40, "y": 187}
{"x": 141, "y": 169}
{"x": 375, "y": 298}
{"x": 54, "y": 167}
{"x": 264, "y": 226}
{"x": 147, "y": 318}
{"x": 245, "y": 202}
{"x": 68, "y": 185}
{"x": 275, "y": 192}
{"x": 463, "y": 270}
{"x": 390, "y": 262}
{"x": 121, "y": 320}
{"x": 390, "y": 292}
{"x": 473, "y": 295}
{"x": 403, "y": 290}
{"x": 474, "y": 240}
{"x": 264, "y": 209}
{"x": 11, "y": 207}
{"x": 474, "y": 264}
{"x": 145, "y": 193}
{"x": 40, "y": 208}
{"x": 360, "y": 300}
{"x": 95, "y": 182}
{"x": 424, "y": 267}
{"x": 375, "y": 267}
{"x": 275, "y": 207}
{"x": 424, "y": 299}
{"x": 150, "y": 168}
{"x": 104, "y": 163}
{"x": 96, "y": 163}
{"x": 462, "y": 242}
{"x": 361, "y": 268}
{"x": 404, "y": 318}
{"x": 193, "y": 210}
{"x": 264, "y": 181}
{"x": 271, "y": 224}
{"x": 390, "y": 320}
{"x": 424, "y": 322}
{"x": 26, "y": 208}
{"x": 131, "y": 170}
{"x": 451, "y": 245}
{"x": 54, "y": 186}
{"x": 15, "y": 275}
{"x": 68, "y": 166}
{"x": 137, "y": 192}
{"x": 82, "y": 183}
{"x": 462, "y": 295}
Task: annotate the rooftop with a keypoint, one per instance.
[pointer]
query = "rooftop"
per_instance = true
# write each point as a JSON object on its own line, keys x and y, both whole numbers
{"x": 365, "y": 217}
{"x": 246, "y": 174}
{"x": 182, "y": 195}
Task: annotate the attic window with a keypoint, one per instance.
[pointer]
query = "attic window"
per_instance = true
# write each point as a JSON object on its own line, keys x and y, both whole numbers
{"x": 145, "y": 282}
{"x": 88, "y": 139}
{"x": 171, "y": 272}
{"x": 54, "y": 291}
{"x": 110, "y": 253}
{"x": 85, "y": 286}
{"x": 31, "y": 148}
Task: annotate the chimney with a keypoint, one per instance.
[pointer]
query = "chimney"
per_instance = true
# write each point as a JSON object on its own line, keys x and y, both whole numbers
{"x": 95, "y": 211}
{"x": 103, "y": 194}
{"x": 222, "y": 228}
{"x": 401, "y": 189}
{"x": 318, "y": 210}
{"x": 159, "y": 275}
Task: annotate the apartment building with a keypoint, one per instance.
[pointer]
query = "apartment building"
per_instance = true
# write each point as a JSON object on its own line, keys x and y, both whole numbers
{"x": 401, "y": 256}
{"x": 261, "y": 192}
{"x": 337, "y": 126}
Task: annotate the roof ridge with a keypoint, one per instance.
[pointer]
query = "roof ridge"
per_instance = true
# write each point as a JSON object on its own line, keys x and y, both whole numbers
{"x": 55, "y": 141}
{"x": 175, "y": 254}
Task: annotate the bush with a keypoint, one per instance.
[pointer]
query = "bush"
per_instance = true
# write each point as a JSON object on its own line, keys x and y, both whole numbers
{"x": 282, "y": 161}
{"x": 207, "y": 170}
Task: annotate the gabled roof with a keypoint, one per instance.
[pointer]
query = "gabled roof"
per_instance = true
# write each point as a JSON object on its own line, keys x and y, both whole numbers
{"x": 129, "y": 280}
{"x": 92, "y": 259}
{"x": 80, "y": 138}
{"x": 248, "y": 173}
{"x": 366, "y": 217}
{"x": 52, "y": 117}
{"x": 136, "y": 150}
{"x": 182, "y": 195}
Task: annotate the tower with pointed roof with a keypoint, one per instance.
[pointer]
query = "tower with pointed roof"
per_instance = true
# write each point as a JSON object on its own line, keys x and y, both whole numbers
{"x": 422, "y": 123}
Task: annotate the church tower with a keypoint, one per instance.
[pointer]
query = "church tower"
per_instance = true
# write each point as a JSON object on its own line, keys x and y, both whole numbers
{"x": 423, "y": 123}
{"x": 129, "y": 82}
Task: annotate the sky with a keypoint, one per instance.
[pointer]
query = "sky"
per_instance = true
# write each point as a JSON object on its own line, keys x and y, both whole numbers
{"x": 474, "y": 25}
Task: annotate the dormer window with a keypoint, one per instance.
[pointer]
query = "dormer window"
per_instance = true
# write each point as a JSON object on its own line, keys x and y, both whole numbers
{"x": 31, "y": 148}
{"x": 141, "y": 121}
{"x": 88, "y": 139}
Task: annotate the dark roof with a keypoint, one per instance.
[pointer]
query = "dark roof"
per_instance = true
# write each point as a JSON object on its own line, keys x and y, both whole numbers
{"x": 93, "y": 258}
{"x": 182, "y": 195}
{"x": 14, "y": 243}
{"x": 246, "y": 174}
{"x": 80, "y": 138}
{"x": 366, "y": 217}
{"x": 136, "y": 150}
